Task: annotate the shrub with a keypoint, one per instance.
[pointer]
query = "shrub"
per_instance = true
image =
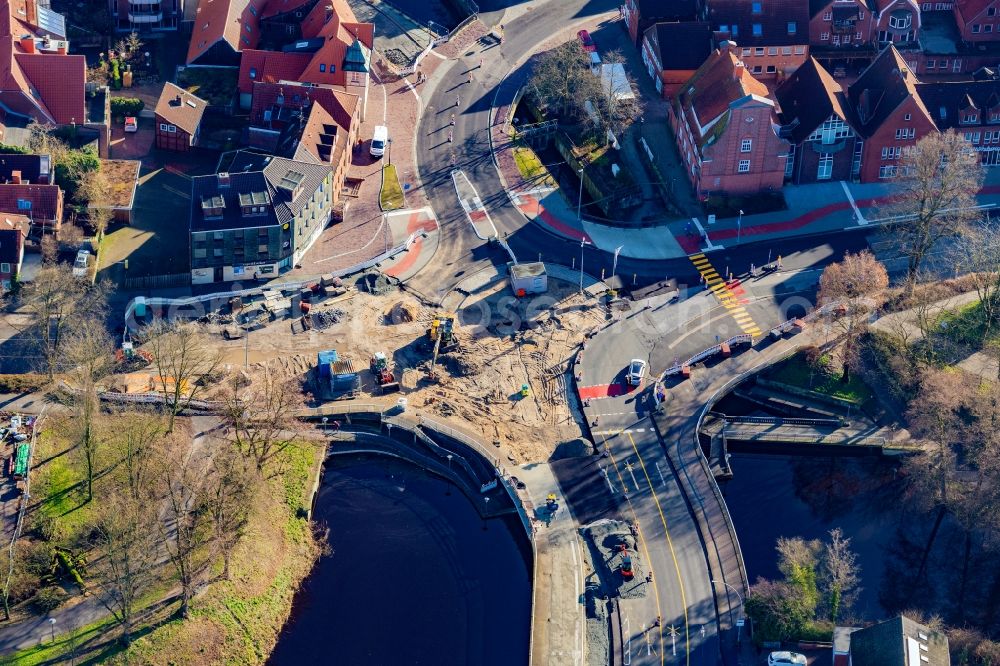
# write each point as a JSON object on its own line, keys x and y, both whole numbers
{"x": 49, "y": 598}
{"x": 126, "y": 106}
{"x": 25, "y": 383}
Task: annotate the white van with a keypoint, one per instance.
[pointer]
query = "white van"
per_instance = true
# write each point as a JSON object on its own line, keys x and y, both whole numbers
{"x": 379, "y": 139}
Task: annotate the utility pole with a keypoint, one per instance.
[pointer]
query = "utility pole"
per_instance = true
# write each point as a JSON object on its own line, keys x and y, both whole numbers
{"x": 583, "y": 242}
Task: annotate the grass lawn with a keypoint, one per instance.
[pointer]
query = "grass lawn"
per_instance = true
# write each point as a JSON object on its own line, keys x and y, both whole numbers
{"x": 391, "y": 195}
{"x": 530, "y": 166}
{"x": 967, "y": 325}
{"x": 826, "y": 378}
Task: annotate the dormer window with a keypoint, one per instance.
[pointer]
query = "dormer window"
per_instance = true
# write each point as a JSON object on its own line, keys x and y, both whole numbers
{"x": 900, "y": 20}
{"x": 970, "y": 117}
{"x": 213, "y": 206}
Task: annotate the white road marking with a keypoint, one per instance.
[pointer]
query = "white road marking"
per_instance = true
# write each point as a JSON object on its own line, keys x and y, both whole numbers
{"x": 701, "y": 230}
{"x": 607, "y": 478}
{"x": 857, "y": 213}
{"x": 627, "y": 639}
{"x": 628, "y": 466}
{"x": 660, "y": 472}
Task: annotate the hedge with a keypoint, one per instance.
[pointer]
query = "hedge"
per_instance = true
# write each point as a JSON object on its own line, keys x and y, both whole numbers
{"x": 25, "y": 383}
{"x": 126, "y": 106}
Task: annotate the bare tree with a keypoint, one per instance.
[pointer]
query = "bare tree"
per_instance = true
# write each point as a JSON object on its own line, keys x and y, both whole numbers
{"x": 95, "y": 191}
{"x": 857, "y": 284}
{"x": 88, "y": 351}
{"x": 134, "y": 443}
{"x": 60, "y": 305}
{"x": 840, "y": 574}
{"x": 562, "y": 80}
{"x": 261, "y": 417}
{"x": 231, "y": 491}
{"x": 940, "y": 178}
{"x": 126, "y": 535}
{"x": 183, "y": 361}
{"x": 185, "y": 530}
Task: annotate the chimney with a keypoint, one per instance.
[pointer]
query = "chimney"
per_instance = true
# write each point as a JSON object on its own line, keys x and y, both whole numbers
{"x": 222, "y": 179}
{"x": 177, "y": 100}
{"x": 31, "y": 12}
{"x": 62, "y": 48}
{"x": 28, "y": 43}
{"x": 15, "y": 177}
{"x": 727, "y": 46}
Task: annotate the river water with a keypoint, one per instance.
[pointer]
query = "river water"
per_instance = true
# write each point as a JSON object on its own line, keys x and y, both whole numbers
{"x": 412, "y": 577}
{"x": 784, "y": 496}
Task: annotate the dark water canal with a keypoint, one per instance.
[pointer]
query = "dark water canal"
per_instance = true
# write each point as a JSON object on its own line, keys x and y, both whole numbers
{"x": 412, "y": 577}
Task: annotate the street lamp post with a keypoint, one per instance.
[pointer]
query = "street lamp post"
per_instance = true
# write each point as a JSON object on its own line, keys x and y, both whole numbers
{"x": 324, "y": 420}
{"x": 739, "y": 226}
{"x": 579, "y": 199}
{"x": 739, "y": 623}
{"x": 52, "y": 626}
{"x": 583, "y": 242}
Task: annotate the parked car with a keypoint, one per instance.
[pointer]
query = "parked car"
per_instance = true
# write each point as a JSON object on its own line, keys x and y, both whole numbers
{"x": 379, "y": 138}
{"x": 587, "y": 41}
{"x": 81, "y": 263}
{"x": 636, "y": 371}
{"x": 131, "y": 124}
{"x": 786, "y": 659}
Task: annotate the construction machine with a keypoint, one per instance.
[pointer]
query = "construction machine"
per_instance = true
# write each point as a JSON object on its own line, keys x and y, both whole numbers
{"x": 386, "y": 381}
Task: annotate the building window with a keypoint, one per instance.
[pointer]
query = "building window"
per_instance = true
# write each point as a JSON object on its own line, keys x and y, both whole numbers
{"x": 772, "y": 51}
{"x": 976, "y": 28}
{"x": 5, "y": 267}
{"x": 887, "y": 171}
{"x": 825, "y": 168}
{"x": 972, "y": 137}
{"x": 253, "y": 10}
{"x": 857, "y": 37}
{"x": 333, "y": 68}
{"x": 861, "y": 14}
{"x": 931, "y": 64}
{"x": 757, "y": 8}
{"x": 828, "y": 16}
{"x": 846, "y": 39}
{"x": 892, "y": 153}
{"x": 747, "y": 52}
{"x": 757, "y": 69}
{"x": 906, "y": 133}
{"x": 988, "y": 27}
{"x": 956, "y": 65}
{"x": 907, "y": 116}
{"x": 759, "y": 51}
{"x": 723, "y": 28}
{"x": 900, "y": 20}
{"x": 992, "y": 11}
{"x": 746, "y": 145}
{"x": 970, "y": 118}
{"x": 786, "y": 50}
{"x": 771, "y": 69}
{"x": 800, "y": 50}
{"x": 743, "y": 167}
{"x": 248, "y": 29}
{"x": 322, "y": 67}
{"x": 793, "y": 27}
{"x": 824, "y": 37}
{"x": 168, "y": 128}
{"x": 758, "y": 30}
{"x": 836, "y": 40}
{"x": 790, "y": 161}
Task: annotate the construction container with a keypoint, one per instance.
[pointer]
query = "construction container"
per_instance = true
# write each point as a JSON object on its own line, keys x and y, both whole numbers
{"x": 529, "y": 278}
{"x": 325, "y": 359}
{"x": 343, "y": 377}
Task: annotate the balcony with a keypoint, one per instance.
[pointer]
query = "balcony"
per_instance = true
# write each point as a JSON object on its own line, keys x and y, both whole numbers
{"x": 145, "y": 17}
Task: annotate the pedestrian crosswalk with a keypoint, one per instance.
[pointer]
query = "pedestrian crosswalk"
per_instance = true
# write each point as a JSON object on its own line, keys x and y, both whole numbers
{"x": 725, "y": 293}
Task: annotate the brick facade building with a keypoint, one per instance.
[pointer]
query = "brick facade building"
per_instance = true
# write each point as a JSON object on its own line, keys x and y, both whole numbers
{"x": 727, "y": 130}
{"x": 773, "y": 34}
{"x": 178, "y": 118}
{"x": 672, "y": 52}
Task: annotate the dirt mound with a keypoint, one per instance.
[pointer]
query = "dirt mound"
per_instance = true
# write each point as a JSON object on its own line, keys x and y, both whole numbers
{"x": 402, "y": 313}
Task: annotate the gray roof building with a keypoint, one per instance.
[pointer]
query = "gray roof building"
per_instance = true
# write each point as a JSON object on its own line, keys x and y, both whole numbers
{"x": 899, "y": 642}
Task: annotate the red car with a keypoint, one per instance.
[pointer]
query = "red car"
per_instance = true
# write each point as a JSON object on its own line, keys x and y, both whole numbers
{"x": 587, "y": 41}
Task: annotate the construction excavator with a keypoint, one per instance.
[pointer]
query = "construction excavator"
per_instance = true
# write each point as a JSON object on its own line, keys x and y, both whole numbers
{"x": 441, "y": 335}
{"x": 386, "y": 381}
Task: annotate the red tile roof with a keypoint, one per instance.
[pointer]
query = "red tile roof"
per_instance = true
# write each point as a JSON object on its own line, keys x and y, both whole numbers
{"x": 46, "y": 200}
{"x": 179, "y": 107}
{"x": 48, "y": 87}
{"x": 338, "y": 35}
{"x": 317, "y": 17}
{"x": 970, "y": 9}
{"x": 323, "y": 141}
{"x": 340, "y": 105}
{"x": 720, "y": 81}
{"x": 225, "y": 21}
{"x": 270, "y": 67}
{"x": 778, "y": 23}
{"x": 275, "y": 7}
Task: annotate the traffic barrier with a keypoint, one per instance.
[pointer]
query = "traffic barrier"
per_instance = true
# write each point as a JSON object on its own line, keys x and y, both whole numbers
{"x": 722, "y": 348}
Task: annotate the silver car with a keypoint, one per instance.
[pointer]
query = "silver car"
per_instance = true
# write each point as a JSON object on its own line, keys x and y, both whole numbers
{"x": 636, "y": 371}
{"x": 786, "y": 659}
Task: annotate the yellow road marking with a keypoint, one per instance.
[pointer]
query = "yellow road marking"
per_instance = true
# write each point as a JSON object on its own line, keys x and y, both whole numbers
{"x": 724, "y": 294}
{"x": 670, "y": 543}
{"x": 645, "y": 549}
